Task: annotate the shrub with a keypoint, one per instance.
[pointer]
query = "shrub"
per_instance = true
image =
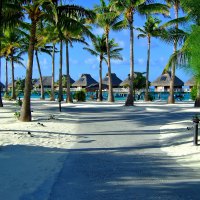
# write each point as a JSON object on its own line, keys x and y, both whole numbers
{"x": 17, "y": 114}
{"x": 7, "y": 96}
{"x": 19, "y": 102}
{"x": 150, "y": 97}
{"x": 80, "y": 95}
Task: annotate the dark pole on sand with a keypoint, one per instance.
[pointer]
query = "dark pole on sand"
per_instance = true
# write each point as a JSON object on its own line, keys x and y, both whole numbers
{"x": 196, "y": 122}
{"x": 60, "y": 105}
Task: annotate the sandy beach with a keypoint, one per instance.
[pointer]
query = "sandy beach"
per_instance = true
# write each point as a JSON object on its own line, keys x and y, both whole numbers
{"x": 32, "y": 155}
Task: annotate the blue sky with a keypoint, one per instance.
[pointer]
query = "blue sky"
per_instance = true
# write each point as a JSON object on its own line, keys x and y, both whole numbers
{"x": 82, "y": 62}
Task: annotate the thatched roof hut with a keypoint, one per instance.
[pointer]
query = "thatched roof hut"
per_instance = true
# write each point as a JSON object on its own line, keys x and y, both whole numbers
{"x": 115, "y": 80}
{"x": 126, "y": 82}
{"x": 190, "y": 82}
{"x": 84, "y": 81}
{"x": 46, "y": 82}
{"x": 2, "y": 85}
{"x": 162, "y": 83}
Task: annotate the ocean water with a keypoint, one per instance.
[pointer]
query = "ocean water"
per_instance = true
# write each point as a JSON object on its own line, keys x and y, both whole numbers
{"x": 183, "y": 96}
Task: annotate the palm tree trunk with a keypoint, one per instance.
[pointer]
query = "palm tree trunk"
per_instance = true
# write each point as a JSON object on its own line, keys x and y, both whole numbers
{"x": 100, "y": 96}
{"x": 130, "y": 98}
{"x": 1, "y": 102}
{"x": 52, "y": 98}
{"x": 171, "y": 99}
{"x": 68, "y": 99}
{"x": 25, "y": 114}
{"x": 6, "y": 70}
{"x": 197, "y": 101}
{"x": 60, "y": 95}
{"x": 110, "y": 88}
{"x": 40, "y": 74}
{"x": 13, "y": 96}
{"x": 146, "y": 97}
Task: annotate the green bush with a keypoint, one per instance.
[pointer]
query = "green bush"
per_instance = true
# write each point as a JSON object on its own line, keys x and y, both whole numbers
{"x": 150, "y": 97}
{"x": 19, "y": 102}
{"x": 17, "y": 114}
{"x": 7, "y": 96}
{"x": 193, "y": 93}
{"x": 80, "y": 95}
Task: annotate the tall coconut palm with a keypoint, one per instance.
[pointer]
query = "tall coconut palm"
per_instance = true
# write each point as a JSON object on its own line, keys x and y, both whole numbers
{"x": 100, "y": 51}
{"x": 108, "y": 19}
{"x": 129, "y": 8}
{"x": 149, "y": 30}
{"x": 176, "y": 5}
{"x": 11, "y": 49}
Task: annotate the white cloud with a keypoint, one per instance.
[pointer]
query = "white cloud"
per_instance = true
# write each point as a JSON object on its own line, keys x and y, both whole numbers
{"x": 140, "y": 61}
{"x": 73, "y": 61}
{"x": 120, "y": 42}
{"x": 90, "y": 61}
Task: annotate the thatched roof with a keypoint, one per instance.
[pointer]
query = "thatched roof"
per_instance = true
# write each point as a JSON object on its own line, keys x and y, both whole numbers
{"x": 190, "y": 82}
{"x": 84, "y": 81}
{"x": 71, "y": 80}
{"x": 46, "y": 81}
{"x": 115, "y": 80}
{"x": 2, "y": 85}
{"x": 95, "y": 86}
{"x": 127, "y": 80}
{"x": 164, "y": 80}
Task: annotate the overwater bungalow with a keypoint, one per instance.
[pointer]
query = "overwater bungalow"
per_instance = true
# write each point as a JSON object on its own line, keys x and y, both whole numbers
{"x": 84, "y": 81}
{"x": 71, "y": 81}
{"x": 115, "y": 80}
{"x": 2, "y": 86}
{"x": 190, "y": 83}
{"x": 46, "y": 82}
{"x": 126, "y": 82}
{"x": 162, "y": 83}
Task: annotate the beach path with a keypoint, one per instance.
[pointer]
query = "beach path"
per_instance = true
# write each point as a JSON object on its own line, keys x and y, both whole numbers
{"x": 117, "y": 156}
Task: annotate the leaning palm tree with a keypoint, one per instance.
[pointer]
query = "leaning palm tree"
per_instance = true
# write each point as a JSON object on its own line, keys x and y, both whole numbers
{"x": 100, "y": 51}
{"x": 129, "y": 8}
{"x": 149, "y": 30}
{"x": 108, "y": 18}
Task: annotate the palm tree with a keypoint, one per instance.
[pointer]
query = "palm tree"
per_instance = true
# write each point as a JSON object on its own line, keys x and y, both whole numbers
{"x": 108, "y": 18}
{"x": 100, "y": 51}
{"x": 176, "y": 5}
{"x": 149, "y": 30}
{"x": 129, "y": 8}
{"x": 11, "y": 50}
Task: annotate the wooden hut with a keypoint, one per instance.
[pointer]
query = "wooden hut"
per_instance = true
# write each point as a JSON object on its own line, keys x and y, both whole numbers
{"x": 46, "y": 82}
{"x": 162, "y": 83}
{"x": 84, "y": 81}
{"x": 115, "y": 80}
{"x": 126, "y": 82}
{"x": 2, "y": 85}
{"x": 190, "y": 83}
{"x": 71, "y": 81}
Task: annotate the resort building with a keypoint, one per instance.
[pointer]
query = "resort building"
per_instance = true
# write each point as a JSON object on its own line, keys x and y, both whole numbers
{"x": 2, "y": 86}
{"x": 126, "y": 82}
{"x": 46, "y": 83}
{"x": 84, "y": 81}
{"x": 190, "y": 83}
{"x": 65, "y": 81}
{"x": 115, "y": 80}
{"x": 162, "y": 83}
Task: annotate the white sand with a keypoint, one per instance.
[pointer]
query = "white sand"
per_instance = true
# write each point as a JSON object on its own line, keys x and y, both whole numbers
{"x": 178, "y": 142}
{"x": 30, "y": 163}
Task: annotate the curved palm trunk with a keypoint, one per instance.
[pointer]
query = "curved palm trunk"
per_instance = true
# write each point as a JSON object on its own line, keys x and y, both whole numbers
{"x": 197, "y": 101}
{"x": 52, "y": 98}
{"x": 60, "y": 95}
{"x": 6, "y": 71}
{"x": 40, "y": 74}
{"x": 171, "y": 99}
{"x": 25, "y": 114}
{"x": 13, "y": 96}
{"x": 110, "y": 88}
{"x": 100, "y": 96}
{"x": 68, "y": 99}
{"x": 1, "y": 102}
{"x": 130, "y": 97}
{"x": 146, "y": 97}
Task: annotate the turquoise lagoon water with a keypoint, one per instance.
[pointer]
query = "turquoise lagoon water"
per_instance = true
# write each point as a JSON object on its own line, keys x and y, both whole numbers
{"x": 179, "y": 96}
